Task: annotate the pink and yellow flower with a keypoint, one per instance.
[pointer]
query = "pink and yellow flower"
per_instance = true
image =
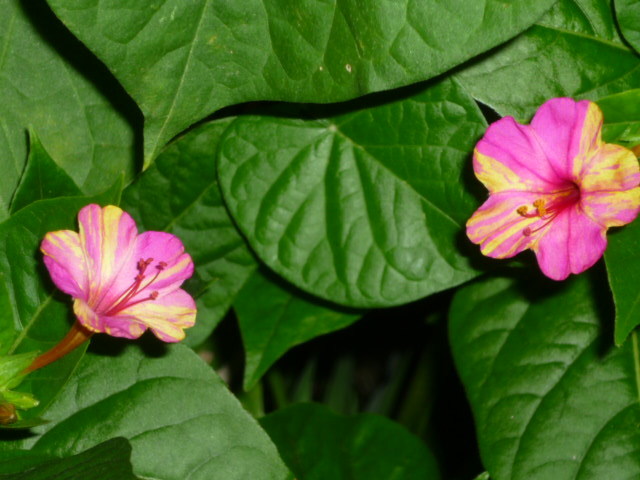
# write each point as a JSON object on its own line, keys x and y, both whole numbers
{"x": 554, "y": 187}
{"x": 122, "y": 282}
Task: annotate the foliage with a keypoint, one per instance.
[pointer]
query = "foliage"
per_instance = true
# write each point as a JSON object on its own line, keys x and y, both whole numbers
{"x": 315, "y": 158}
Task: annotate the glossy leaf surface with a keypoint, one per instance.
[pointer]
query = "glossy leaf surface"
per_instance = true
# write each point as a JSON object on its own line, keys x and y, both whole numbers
{"x": 180, "y": 194}
{"x": 551, "y": 397}
{"x": 169, "y": 407}
{"x": 274, "y": 317}
{"x": 50, "y": 83}
{"x": 628, "y": 16}
{"x": 364, "y": 208}
{"x": 318, "y": 444}
{"x": 181, "y": 61}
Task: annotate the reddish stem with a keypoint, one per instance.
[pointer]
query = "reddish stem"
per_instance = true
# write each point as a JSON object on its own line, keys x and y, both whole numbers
{"x": 73, "y": 339}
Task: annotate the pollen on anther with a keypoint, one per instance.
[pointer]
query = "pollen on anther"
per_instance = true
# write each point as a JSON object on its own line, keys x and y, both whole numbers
{"x": 522, "y": 210}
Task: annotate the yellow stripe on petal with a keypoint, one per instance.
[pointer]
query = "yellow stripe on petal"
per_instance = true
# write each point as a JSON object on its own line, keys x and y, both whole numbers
{"x": 495, "y": 175}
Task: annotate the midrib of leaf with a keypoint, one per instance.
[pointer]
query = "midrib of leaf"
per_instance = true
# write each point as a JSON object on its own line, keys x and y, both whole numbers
{"x": 564, "y": 31}
{"x": 169, "y": 116}
{"x": 30, "y": 324}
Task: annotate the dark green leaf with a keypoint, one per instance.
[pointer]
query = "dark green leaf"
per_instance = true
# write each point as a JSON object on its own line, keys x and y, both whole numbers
{"x": 52, "y": 84}
{"x": 181, "y": 60}
{"x": 180, "y": 418}
{"x": 622, "y": 118}
{"x": 180, "y": 194}
{"x": 628, "y": 16}
{"x": 274, "y": 317}
{"x": 364, "y": 208}
{"x": 551, "y": 398}
{"x": 41, "y": 317}
{"x": 108, "y": 461}
{"x": 571, "y": 52}
{"x": 42, "y": 178}
{"x": 317, "y": 444}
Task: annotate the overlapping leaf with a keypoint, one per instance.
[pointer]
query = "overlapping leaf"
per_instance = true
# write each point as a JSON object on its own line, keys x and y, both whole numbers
{"x": 364, "y": 208}
{"x": 551, "y": 397}
{"x": 180, "y": 418}
{"x": 181, "y": 60}
{"x": 180, "y": 194}
{"x": 628, "y": 16}
{"x": 274, "y": 317}
{"x": 49, "y": 82}
{"x": 318, "y": 444}
{"x": 573, "y": 51}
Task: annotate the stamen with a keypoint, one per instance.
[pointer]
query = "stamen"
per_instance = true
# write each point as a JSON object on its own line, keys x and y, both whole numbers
{"x": 136, "y": 287}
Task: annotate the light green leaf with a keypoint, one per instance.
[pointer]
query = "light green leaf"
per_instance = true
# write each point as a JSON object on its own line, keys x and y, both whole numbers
{"x": 318, "y": 444}
{"x": 42, "y": 178}
{"x": 181, "y": 61}
{"x": 180, "y": 194}
{"x": 179, "y": 417}
{"x": 551, "y": 398}
{"x": 569, "y": 53}
{"x": 274, "y": 317}
{"x": 628, "y": 16}
{"x": 364, "y": 208}
{"x": 622, "y": 119}
{"x": 52, "y": 84}
{"x": 41, "y": 316}
{"x": 106, "y": 461}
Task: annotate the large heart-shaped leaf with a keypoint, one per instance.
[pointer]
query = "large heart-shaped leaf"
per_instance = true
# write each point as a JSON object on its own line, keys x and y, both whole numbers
{"x": 182, "y": 60}
{"x": 180, "y": 194}
{"x": 573, "y": 51}
{"x": 48, "y": 81}
{"x": 621, "y": 116}
{"x": 318, "y": 444}
{"x": 180, "y": 418}
{"x": 274, "y": 317}
{"x": 628, "y": 16}
{"x": 550, "y": 396}
{"x": 39, "y": 316}
{"x": 364, "y": 208}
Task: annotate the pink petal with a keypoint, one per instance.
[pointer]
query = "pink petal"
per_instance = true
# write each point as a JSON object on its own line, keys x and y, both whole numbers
{"x": 568, "y": 131}
{"x": 510, "y": 157}
{"x": 610, "y": 168}
{"x": 166, "y": 316}
{"x": 572, "y": 244}
{"x": 497, "y": 226}
{"x": 612, "y": 209}
{"x": 107, "y": 236}
{"x": 65, "y": 261}
{"x": 114, "y": 326}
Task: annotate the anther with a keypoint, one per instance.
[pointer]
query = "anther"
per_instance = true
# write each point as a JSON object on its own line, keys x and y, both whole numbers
{"x": 522, "y": 210}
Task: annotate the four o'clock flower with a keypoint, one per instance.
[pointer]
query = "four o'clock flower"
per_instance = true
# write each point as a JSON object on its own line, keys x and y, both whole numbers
{"x": 554, "y": 187}
{"x": 122, "y": 282}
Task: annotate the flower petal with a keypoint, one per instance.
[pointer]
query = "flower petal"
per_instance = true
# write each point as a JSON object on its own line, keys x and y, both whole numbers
{"x": 114, "y": 326}
{"x": 510, "y": 157}
{"x": 65, "y": 261}
{"x": 572, "y": 244}
{"x": 612, "y": 209}
{"x": 569, "y": 131}
{"x": 107, "y": 236}
{"x": 611, "y": 167}
{"x": 166, "y": 316}
{"x": 497, "y": 226}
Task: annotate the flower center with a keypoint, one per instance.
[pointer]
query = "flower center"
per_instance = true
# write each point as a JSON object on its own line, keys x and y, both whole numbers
{"x": 548, "y": 210}
{"x": 139, "y": 284}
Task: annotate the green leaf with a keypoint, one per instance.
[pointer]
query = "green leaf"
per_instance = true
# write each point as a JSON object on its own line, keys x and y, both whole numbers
{"x": 550, "y": 397}
{"x": 180, "y": 418}
{"x": 628, "y": 16}
{"x": 40, "y": 316}
{"x": 180, "y": 194}
{"x": 52, "y": 84}
{"x": 569, "y": 53}
{"x": 622, "y": 257}
{"x": 274, "y": 317}
{"x": 42, "y": 178}
{"x": 363, "y": 208}
{"x": 181, "y": 61}
{"x": 621, "y": 116}
{"x": 107, "y": 461}
{"x": 318, "y": 444}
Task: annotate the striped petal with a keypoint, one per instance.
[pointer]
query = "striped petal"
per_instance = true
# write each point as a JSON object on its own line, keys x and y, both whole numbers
{"x": 497, "y": 226}
{"x": 65, "y": 261}
{"x": 167, "y": 316}
{"x": 612, "y": 209}
{"x": 610, "y": 167}
{"x": 573, "y": 243}
{"x": 569, "y": 132}
{"x": 510, "y": 157}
